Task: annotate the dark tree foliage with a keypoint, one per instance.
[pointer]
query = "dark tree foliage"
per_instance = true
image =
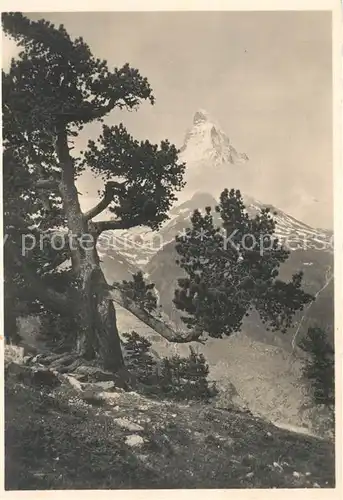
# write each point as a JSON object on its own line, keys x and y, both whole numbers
{"x": 139, "y": 291}
{"x": 186, "y": 378}
{"x": 178, "y": 378}
{"x": 319, "y": 368}
{"x": 150, "y": 173}
{"x": 139, "y": 359}
{"x": 233, "y": 269}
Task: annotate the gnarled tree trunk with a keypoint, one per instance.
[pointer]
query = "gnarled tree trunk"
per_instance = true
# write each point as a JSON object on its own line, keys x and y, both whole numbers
{"x": 97, "y": 335}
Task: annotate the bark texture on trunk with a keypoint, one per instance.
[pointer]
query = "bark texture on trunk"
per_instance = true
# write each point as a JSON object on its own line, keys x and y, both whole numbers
{"x": 97, "y": 335}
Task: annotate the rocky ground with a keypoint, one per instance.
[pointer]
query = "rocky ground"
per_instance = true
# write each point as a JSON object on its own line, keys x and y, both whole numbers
{"x": 63, "y": 432}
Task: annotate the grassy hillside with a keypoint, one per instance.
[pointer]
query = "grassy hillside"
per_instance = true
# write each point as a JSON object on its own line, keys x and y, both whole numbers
{"x": 267, "y": 377}
{"x": 57, "y": 438}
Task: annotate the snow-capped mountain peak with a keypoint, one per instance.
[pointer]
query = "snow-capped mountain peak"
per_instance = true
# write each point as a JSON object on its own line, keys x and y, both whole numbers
{"x": 206, "y": 141}
{"x": 201, "y": 116}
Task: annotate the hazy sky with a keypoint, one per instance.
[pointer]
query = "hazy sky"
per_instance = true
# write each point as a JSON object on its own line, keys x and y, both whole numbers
{"x": 264, "y": 76}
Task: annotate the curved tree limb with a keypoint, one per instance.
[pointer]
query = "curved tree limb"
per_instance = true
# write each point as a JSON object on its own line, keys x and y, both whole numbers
{"x": 156, "y": 324}
{"x": 107, "y": 225}
{"x": 86, "y": 113}
{"x": 110, "y": 190}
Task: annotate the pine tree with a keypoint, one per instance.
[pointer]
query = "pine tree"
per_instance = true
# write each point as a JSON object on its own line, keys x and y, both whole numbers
{"x": 186, "y": 378}
{"x": 319, "y": 369}
{"x": 139, "y": 358}
{"x": 233, "y": 269}
{"x": 54, "y": 88}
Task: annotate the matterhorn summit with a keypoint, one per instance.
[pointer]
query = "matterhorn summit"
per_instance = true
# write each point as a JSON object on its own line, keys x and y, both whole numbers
{"x": 211, "y": 160}
{"x": 206, "y": 141}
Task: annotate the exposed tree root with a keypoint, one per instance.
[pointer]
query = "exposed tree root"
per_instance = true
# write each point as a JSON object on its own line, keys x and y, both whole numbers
{"x": 62, "y": 363}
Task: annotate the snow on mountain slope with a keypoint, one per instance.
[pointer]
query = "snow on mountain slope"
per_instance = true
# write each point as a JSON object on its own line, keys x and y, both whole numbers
{"x": 135, "y": 248}
{"x": 136, "y": 245}
{"x": 292, "y": 232}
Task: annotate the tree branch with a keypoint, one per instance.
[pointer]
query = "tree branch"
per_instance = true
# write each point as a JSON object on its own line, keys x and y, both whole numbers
{"x": 107, "y": 225}
{"x": 86, "y": 113}
{"x": 156, "y": 324}
{"x": 110, "y": 190}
